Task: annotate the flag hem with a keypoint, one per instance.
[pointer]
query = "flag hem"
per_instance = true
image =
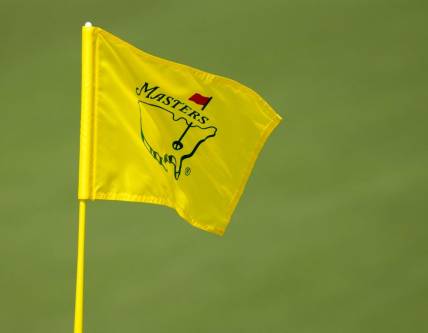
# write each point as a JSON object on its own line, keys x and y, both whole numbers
{"x": 87, "y": 119}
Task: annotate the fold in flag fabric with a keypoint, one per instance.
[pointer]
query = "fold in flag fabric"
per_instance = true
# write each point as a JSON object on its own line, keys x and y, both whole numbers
{"x": 143, "y": 139}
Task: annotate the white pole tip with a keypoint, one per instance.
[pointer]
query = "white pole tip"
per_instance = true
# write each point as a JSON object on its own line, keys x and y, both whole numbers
{"x": 88, "y": 24}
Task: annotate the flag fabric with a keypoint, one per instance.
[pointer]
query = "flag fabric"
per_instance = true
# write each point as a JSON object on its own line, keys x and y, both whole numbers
{"x": 143, "y": 140}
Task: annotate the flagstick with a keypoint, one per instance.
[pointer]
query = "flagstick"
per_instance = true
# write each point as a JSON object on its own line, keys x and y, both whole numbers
{"x": 87, "y": 58}
{"x": 78, "y": 310}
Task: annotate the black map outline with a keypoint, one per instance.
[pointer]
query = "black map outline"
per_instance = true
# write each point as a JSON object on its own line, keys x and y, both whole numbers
{"x": 171, "y": 158}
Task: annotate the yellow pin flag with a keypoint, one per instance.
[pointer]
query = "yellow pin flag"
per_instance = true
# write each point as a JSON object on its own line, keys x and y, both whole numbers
{"x": 160, "y": 132}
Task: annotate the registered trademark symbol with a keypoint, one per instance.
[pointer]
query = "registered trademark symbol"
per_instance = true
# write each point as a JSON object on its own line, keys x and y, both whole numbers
{"x": 187, "y": 171}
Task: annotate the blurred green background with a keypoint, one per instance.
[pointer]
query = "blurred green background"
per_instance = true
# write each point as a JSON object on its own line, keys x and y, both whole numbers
{"x": 331, "y": 233}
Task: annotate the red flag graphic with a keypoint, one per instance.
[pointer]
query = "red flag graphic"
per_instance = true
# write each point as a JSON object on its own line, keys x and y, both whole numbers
{"x": 201, "y": 100}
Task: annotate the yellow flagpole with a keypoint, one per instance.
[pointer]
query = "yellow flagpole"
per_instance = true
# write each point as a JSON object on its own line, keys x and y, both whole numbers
{"x": 87, "y": 58}
{"x": 78, "y": 310}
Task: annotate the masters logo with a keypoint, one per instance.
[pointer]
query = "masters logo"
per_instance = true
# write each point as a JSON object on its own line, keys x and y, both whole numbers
{"x": 171, "y": 130}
